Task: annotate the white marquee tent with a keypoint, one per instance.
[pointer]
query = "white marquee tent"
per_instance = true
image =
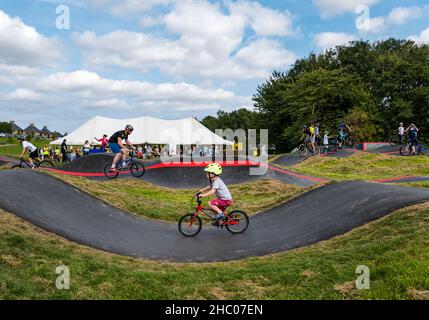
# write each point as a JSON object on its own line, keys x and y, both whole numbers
{"x": 186, "y": 131}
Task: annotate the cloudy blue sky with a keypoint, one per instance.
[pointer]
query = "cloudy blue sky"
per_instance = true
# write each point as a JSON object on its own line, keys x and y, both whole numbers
{"x": 170, "y": 58}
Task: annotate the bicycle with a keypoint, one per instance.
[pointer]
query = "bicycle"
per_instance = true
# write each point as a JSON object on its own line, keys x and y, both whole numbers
{"x": 37, "y": 164}
{"x": 406, "y": 149}
{"x": 307, "y": 147}
{"x": 346, "y": 140}
{"x": 190, "y": 224}
{"x": 136, "y": 168}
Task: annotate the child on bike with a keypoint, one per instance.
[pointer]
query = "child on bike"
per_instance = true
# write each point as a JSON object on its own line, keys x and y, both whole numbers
{"x": 28, "y": 146}
{"x": 218, "y": 187}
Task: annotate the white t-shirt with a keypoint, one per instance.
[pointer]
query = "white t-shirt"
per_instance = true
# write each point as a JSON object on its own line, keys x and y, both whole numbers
{"x": 222, "y": 191}
{"x": 401, "y": 131}
{"x": 325, "y": 139}
{"x": 29, "y": 146}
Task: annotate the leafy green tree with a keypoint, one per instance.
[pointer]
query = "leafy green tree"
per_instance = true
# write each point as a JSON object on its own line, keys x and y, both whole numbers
{"x": 5, "y": 127}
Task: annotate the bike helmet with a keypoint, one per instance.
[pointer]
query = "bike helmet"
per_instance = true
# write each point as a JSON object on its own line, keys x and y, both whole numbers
{"x": 21, "y": 138}
{"x": 129, "y": 127}
{"x": 214, "y": 168}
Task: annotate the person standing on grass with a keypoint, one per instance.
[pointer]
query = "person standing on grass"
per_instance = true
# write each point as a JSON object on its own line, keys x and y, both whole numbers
{"x": 86, "y": 148}
{"x": 412, "y": 134}
{"x": 64, "y": 157}
{"x": 401, "y": 132}
{"x": 326, "y": 142}
{"x": 104, "y": 141}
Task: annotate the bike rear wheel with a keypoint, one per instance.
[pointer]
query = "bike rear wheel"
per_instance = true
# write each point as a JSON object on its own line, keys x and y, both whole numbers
{"x": 109, "y": 174}
{"x": 137, "y": 169}
{"x": 405, "y": 150}
{"x": 240, "y": 218}
{"x": 190, "y": 225}
{"x": 302, "y": 150}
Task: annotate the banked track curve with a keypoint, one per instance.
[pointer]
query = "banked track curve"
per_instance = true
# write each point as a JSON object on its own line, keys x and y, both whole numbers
{"x": 58, "y": 207}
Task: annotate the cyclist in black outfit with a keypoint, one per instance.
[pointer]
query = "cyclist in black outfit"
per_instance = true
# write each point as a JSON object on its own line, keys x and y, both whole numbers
{"x": 117, "y": 147}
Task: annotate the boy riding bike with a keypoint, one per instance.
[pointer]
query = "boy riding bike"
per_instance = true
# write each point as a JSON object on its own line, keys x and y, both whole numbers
{"x": 218, "y": 187}
{"x": 28, "y": 146}
{"x": 117, "y": 147}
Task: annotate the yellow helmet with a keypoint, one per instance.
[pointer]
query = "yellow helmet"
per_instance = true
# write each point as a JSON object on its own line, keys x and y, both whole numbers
{"x": 214, "y": 168}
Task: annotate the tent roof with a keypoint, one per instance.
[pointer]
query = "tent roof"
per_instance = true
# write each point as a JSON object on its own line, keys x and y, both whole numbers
{"x": 185, "y": 131}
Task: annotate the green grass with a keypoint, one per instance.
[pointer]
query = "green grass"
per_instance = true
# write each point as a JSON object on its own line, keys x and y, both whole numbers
{"x": 394, "y": 249}
{"x": 364, "y": 166}
{"x": 145, "y": 199}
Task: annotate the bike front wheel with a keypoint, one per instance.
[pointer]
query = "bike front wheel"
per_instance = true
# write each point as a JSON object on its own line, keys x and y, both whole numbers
{"x": 137, "y": 169}
{"x": 238, "y": 222}
{"x": 45, "y": 164}
{"x": 109, "y": 174}
{"x": 302, "y": 150}
{"x": 190, "y": 225}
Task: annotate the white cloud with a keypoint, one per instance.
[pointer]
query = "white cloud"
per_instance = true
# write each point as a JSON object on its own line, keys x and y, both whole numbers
{"x": 331, "y": 8}
{"x": 128, "y": 49}
{"x": 21, "y": 94}
{"x": 375, "y": 25}
{"x": 21, "y": 44}
{"x": 423, "y": 38}
{"x": 264, "y": 21}
{"x": 149, "y": 21}
{"x": 209, "y": 43}
{"x": 401, "y": 15}
{"x": 328, "y": 40}
{"x": 265, "y": 54}
{"x": 106, "y": 103}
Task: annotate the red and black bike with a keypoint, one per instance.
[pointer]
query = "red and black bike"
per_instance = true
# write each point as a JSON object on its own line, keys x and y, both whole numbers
{"x": 190, "y": 224}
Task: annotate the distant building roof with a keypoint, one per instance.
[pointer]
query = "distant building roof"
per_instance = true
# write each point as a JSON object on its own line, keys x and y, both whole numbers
{"x": 15, "y": 127}
{"x": 31, "y": 129}
{"x": 59, "y": 135}
{"x": 46, "y": 131}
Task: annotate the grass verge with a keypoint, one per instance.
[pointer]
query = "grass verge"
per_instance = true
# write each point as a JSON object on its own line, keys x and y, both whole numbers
{"x": 364, "y": 166}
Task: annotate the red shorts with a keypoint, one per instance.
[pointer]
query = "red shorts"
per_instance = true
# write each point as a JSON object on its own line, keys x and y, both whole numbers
{"x": 220, "y": 203}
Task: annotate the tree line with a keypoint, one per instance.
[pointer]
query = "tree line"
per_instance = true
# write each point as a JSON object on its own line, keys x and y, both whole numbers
{"x": 371, "y": 85}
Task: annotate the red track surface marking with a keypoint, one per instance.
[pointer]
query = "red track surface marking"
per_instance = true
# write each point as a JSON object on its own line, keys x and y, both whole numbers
{"x": 394, "y": 179}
